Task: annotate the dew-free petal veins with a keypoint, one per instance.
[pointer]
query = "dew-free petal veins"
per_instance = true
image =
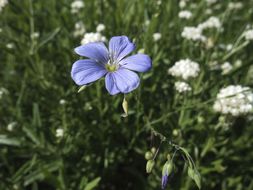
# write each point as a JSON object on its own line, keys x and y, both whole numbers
{"x": 126, "y": 80}
{"x": 110, "y": 84}
{"x": 139, "y": 63}
{"x": 87, "y": 71}
{"x": 95, "y": 50}
{"x": 120, "y": 46}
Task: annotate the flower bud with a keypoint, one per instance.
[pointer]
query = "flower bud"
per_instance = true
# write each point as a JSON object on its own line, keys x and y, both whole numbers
{"x": 149, "y": 166}
{"x": 125, "y": 107}
{"x": 167, "y": 168}
{"x": 148, "y": 155}
{"x": 153, "y": 150}
{"x": 168, "y": 157}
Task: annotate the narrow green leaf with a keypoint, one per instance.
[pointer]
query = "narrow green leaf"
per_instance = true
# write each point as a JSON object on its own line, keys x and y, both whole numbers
{"x": 91, "y": 185}
{"x": 9, "y": 141}
{"x": 49, "y": 37}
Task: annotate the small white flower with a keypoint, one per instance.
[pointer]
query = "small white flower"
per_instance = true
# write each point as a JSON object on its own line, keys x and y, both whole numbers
{"x": 147, "y": 22}
{"x": 79, "y": 29}
{"x": 226, "y": 68}
{"x": 157, "y": 36}
{"x": 100, "y": 27}
{"x": 11, "y": 126}
{"x": 182, "y": 87}
{"x": 10, "y": 45}
{"x": 229, "y": 47}
{"x": 35, "y": 35}
{"x": 235, "y": 5}
{"x": 193, "y": 33}
{"x": 92, "y": 37}
{"x": 62, "y": 102}
{"x": 182, "y": 4}
{"x": 249, "y": 34}
{"x": 59, "y": 132}
{"x": 238, "y": 63}
{"x": 185, "y": 69}
{"x": 159, "y": 2}
{"x": 2, "y": 4}
{"x": 76, "y": 6}
{"x": 208, "y": 11}
{"x": 185, "y": 14}
{"x": 235, "y": 100}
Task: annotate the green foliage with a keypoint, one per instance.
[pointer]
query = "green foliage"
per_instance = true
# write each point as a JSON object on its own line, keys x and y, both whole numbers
{"x": 100, "y": 149}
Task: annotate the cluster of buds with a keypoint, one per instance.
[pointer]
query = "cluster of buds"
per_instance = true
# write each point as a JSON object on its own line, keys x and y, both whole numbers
{"x": 150, "y": 157}
{"x": 167, "y": 167}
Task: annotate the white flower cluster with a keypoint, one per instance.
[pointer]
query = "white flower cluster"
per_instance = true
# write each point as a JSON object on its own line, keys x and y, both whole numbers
{"x": 235, "y": 5}
{"x": 79, "y": 29}
{"x": 212, "y": 22}
{"x": 193, "y": 33}
{"x": 100, "y": 27}
{"x": 2, "y": 4}
{"x": 235, "y": 100}
{"x": 76, "y": 6}
{"x": 157, "y": 36}
{"x": 62, "y": 102}
{"x": 185, "y": 69}
{"x": 185, "y": 14}
{"x": 93, "y": 37}
{"x": 249, "y": 34}
{"x": 226, "y": 68}
{"x": 182, "y": 87}
{"x": 59, "y": 132}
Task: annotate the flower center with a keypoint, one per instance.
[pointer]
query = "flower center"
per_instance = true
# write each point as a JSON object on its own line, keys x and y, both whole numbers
{"x": 111, "y": 67}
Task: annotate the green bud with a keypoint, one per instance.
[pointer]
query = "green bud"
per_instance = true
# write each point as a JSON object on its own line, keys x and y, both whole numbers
{"x": 167, "y": 168}
{"x": 149, "y": 166}
{"x": 175, "y": 132}
{"x": 153, "y": 150}
{"x": 168, "y": 157}
{"x": 148, "y": 155}
{"x": 201, "y": 119}
{"x": 125, "y": 107}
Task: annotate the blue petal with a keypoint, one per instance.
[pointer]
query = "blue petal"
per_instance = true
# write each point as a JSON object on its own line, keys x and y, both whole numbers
{"x": 139, "y": 63}
{"x": 119, "y": 47}
{"x": 110, "y": 84}
{"x": 95, "y": 50}
{"x": 87, "y": 71}
{"x": 126, "y": 80}
{"x": 164, "y": 180}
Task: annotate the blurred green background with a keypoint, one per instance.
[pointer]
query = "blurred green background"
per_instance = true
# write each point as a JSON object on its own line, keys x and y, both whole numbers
{"x": 100, "y": 149}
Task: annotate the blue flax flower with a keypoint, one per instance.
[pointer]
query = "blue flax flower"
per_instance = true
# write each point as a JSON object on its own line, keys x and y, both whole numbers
{"x": 165, "y": 178}
{"x": 111, "y": 63}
